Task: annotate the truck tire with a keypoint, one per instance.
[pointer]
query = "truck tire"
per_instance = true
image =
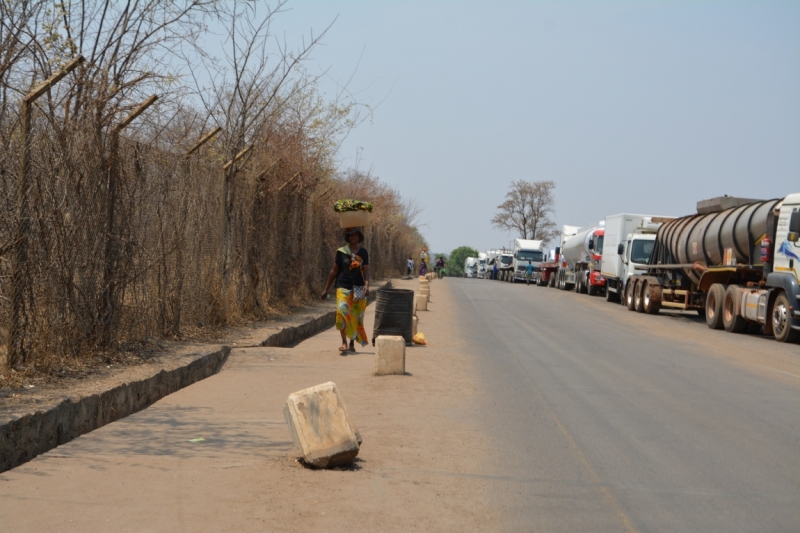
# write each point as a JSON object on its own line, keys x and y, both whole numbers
{"x": 651, "y": 298}
{"x": 731, "y": 320}
{"x": 591, "y": 290}
{"x": 714, "y": 299}
{"x": 630, "y": 289}
{"x": 782, "y": 322}
{"x": 578, "y": 288}
{"x": 638, "y": 296}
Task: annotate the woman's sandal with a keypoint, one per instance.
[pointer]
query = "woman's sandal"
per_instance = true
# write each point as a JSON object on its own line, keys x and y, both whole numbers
{"x": 343, "y": 349}
{"x": 352, "y": 347}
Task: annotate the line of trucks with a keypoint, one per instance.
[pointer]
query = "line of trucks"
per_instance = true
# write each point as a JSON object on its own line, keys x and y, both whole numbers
{"x": 735, "y": 262}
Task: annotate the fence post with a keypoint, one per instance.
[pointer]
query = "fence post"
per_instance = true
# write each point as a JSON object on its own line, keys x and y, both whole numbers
{"x": 20, "y": 285}
{"x": 108, "y": 304}
{"x": 175, "y": 327}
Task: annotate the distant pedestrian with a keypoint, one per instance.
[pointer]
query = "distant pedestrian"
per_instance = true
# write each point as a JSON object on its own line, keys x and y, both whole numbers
{"x": 423, "y": 267}
{"x": 528, "y": 274}
{"x": 494, "y": 271}
{"x": 409, "y": 266}
{"x": 351, "y": 273}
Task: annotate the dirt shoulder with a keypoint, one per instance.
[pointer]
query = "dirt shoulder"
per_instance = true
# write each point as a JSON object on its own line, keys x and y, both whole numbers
{"x": 421, "y": 466}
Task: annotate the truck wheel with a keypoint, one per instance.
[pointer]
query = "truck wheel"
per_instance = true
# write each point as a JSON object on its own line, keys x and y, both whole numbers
{"x": 578, "y": 284}
{"x": 638, "y": 296}
{"x": 714, "y": 299}
{"x": 551, "y": 281}
{"x": 591, "y": 290}
{"x": 651, "y": 298}
{"x": 630, "y": 289}
{"x": 731, "y": 305}
{"x": 782, "y": 322}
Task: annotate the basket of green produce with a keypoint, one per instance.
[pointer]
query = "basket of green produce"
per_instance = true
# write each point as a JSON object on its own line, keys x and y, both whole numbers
{"x": 353, "y": 213}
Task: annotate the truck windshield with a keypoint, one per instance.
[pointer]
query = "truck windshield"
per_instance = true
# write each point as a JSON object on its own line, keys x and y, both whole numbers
{"x": 524, "y": 255}
{"x": 506, "y": 259}
{"x": 640, "y": 251}
{"x": 598, "y": 247}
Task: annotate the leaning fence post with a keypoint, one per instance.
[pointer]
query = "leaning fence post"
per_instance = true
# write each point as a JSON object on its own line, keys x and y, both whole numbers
{"x": 20, "y": 284}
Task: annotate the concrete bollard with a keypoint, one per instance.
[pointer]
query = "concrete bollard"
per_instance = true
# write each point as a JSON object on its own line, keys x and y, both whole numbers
{"x": 425, "y": 292}
{"x": 414, "y": 322}
{"x": 390, "y": 355}
{"x": 422, "y": 303}
{"x": 320, "y": 426}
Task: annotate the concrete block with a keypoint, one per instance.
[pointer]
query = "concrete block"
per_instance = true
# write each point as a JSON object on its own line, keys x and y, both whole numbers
{"x": 390, "y": 355}
{"x": 422, "y": 303}
{"x": 321, "y": 427}
{"x": 414, "y": 322}
{"x": 426, "y": 293}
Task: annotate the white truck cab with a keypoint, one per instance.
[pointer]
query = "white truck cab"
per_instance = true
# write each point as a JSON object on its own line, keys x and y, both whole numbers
{"x": 526, "y": 252}
{"x": 629, "y": 239}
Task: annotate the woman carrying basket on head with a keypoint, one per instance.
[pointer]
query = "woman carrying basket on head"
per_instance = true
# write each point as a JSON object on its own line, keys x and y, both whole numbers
{"x": 351, "y": 273}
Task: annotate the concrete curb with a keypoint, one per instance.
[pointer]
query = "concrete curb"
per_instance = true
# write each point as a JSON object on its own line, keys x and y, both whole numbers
{"x": 33, "y": 434}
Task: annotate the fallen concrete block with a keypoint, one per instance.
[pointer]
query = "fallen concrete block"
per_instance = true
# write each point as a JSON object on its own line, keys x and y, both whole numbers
{"x": 321, "y": 427}
{"x": 390, "y": 355}
{"x": 414, "y": 322}
{"x": 422, "y": 303}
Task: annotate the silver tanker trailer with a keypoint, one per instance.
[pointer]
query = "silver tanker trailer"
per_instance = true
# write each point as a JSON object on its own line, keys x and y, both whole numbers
{"x": 735, "y": 262}
{"x": 580, "y": 261}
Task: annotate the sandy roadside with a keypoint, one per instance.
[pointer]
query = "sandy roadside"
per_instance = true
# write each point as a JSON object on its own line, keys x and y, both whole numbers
{"x": 420, "y": 467}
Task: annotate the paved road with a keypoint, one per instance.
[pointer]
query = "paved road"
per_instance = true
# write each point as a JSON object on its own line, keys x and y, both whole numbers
{"x": 608, "y": 420}
{"x": 530, "y": 410}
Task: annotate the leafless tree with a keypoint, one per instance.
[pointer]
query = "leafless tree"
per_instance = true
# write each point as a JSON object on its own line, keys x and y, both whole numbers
{"x": 527, "y": 210}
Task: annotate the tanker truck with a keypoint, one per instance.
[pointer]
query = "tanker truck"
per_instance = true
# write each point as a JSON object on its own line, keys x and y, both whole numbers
{"x": 736, "y": 262}
{"x": 547, "y": 273}
{"x": 580, "y": 262}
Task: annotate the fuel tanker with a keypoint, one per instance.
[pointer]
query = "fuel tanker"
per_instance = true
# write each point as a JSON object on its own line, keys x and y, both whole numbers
{"x": 579, "y": 267}
{"x": 735, "y": 262}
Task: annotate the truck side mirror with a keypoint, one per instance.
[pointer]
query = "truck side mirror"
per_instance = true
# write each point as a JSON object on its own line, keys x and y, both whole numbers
{"x": 620, "y": 249}
{"x": 794, "y": 227}
{"x": 591, "y": 245}
{"x": 558, "y": 250}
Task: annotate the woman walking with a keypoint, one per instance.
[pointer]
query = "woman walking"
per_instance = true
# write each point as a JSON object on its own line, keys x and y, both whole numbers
{"x": 351, "y": 273}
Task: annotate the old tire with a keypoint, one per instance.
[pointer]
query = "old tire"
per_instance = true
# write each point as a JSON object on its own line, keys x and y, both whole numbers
{"x": 714, "y": 299}
{"x": 651, "y": 298}
{"x": 731, "y": 304}
{"x": 629, "y": 290}
{"x": 782, "y": 322}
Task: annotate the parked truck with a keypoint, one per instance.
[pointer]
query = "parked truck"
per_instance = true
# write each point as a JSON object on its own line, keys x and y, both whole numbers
{"x": 627, "y": 244}
{"x": 470, "y": 267}
{"x": 482, "y": 258}
{"x": 505, "y": 266}
{"x": 526, "y": 252}
{"x": 579, "y": 268}
{"x": 548, "y": 271}
{"x": 736, "y": 262}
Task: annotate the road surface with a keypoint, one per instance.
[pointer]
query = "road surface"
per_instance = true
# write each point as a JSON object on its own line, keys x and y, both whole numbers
{"x": 531, "y": 409}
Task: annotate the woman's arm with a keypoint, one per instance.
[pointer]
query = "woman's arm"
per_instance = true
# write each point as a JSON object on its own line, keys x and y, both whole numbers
{"x": 331, "y": 277}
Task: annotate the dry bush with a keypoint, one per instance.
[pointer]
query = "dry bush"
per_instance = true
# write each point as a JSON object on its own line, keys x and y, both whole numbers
{"x": 131, "y": 238}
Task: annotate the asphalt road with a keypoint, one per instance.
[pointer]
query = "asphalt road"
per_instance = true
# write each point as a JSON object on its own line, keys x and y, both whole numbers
{"x": 608, "y": 420}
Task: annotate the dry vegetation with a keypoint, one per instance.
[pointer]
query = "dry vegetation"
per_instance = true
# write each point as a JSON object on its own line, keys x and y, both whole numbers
{"x": 120, "y": 233}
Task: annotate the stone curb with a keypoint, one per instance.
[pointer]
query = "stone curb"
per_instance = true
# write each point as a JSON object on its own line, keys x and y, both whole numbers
{"x": 33, "y": 434}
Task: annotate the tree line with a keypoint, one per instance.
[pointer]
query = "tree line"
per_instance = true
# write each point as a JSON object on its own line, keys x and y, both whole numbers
{"x": 152, "y": 185}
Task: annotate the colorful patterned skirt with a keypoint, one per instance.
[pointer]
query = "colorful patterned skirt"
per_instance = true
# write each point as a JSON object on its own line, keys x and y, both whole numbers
{"x": 350, "y": 315}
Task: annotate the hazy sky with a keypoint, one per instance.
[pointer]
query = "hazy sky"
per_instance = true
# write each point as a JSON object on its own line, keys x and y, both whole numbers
{"x": 643, "y": 107}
